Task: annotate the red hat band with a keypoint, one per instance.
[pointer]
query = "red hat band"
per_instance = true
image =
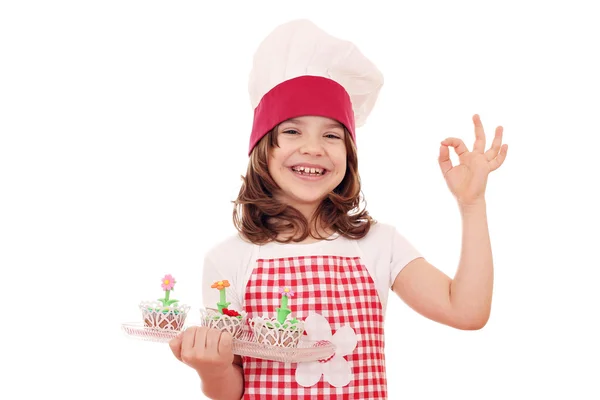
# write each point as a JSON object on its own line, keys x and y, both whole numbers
{"x": 304, "y": 95}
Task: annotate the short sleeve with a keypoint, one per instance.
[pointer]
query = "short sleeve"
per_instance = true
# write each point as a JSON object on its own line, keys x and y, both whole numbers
{"x": 403, "y": 252}
{"x": 212, "y": 272}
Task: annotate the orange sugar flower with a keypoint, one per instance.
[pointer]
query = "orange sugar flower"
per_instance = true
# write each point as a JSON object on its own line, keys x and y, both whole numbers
{"x": 220, "y": 285}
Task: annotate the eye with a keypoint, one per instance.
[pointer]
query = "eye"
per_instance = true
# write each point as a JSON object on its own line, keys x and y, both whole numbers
{"x": 291, "y": 131}
{"x": 332, "y": 136}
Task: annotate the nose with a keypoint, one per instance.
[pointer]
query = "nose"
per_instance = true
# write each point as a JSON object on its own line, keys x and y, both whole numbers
{"x": 312, "y": 145}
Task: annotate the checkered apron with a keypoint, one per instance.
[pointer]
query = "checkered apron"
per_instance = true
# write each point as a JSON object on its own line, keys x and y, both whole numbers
{"x": 342, "y": 291}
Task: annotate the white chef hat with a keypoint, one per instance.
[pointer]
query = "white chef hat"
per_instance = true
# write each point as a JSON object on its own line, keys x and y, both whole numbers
{"x": 299, "y": 69}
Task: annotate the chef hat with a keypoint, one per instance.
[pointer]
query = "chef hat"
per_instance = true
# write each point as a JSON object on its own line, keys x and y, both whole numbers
{"x": 299, "y": 69}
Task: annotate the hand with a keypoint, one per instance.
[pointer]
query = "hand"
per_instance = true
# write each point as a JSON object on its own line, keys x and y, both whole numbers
{"x": 467, "y": 181}
{"x": 206, "y": 350}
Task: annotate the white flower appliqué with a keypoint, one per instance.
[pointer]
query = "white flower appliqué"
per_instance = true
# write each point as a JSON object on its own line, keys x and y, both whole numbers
{"x": 335, "y": 370}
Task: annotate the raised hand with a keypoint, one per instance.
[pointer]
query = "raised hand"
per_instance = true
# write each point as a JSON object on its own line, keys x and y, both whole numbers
{"x": 467, "y": 181}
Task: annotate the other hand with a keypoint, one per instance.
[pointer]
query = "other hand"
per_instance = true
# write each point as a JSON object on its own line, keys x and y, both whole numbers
{"x": 467, "y": 181}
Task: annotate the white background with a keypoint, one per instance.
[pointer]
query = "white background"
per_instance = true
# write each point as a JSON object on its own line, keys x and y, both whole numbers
{"x": 124, "y": 127}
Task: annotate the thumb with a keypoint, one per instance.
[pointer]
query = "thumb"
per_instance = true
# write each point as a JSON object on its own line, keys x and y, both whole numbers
{"x": 175, "y": 345}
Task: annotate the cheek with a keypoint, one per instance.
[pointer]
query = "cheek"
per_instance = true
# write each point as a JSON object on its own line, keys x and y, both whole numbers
{"x": 280, "y": 158}
{"x": 342, "y": 169}
{"x": 276, "y": 163}
{"x": 340, "y": 163}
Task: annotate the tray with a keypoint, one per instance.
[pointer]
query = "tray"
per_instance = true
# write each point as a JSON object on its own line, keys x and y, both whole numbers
{"x": 243, "y": 345}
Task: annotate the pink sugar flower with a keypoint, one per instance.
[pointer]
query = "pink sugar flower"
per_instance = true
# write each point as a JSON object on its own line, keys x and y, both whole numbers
{"x": 168, "y": 282}
{"x": 286, "y": 292}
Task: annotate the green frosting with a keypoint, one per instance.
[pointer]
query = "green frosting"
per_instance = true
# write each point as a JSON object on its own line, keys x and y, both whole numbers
{"x": 292, "y": 324}
{"x": 237, "y": 316}
{"x": 164, "y": 311}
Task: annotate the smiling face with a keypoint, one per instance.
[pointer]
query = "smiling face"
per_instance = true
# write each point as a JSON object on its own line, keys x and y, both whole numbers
{"x": 309, "y": 161}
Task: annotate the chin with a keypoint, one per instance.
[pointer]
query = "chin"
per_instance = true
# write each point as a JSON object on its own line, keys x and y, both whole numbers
{"x": 308, "y": 198}
{"x": 308, "y": 192}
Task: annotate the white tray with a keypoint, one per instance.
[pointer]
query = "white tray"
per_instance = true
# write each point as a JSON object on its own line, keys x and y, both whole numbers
{"x": 244, "y": 345}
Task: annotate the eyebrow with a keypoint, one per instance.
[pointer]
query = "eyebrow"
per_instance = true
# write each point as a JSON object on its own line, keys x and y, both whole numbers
{"x": 328, "y": 126}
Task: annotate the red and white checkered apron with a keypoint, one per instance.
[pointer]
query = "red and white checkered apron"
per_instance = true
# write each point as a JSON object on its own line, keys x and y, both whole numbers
{"x": 341, "y": 290}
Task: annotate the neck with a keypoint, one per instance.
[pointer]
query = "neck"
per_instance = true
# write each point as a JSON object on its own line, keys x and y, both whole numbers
{"x": 307, "y": 210}
{"x": 318, "y": 231}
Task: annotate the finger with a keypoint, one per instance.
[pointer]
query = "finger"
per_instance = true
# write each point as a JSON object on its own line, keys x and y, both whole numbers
{"x": 194, "y": 350}
{"x": 459, "y": 145}
{"x": 200, "y": 340}
{"x": 188, "y": 338}
{"x": 444, "y": 160}
{"x": 225, "y": 345}
{"x": 498, "y": 161}
{"x": 495, "y": 149}
{"x": 188, "y": 341}
{"x": 175, "y": 345}
{"x": 212, "y": 342}
{"x": 479, "y": 145}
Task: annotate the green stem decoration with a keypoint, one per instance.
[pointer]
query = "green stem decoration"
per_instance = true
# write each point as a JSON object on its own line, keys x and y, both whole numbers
{"x": 166, "y": 301}
{"x": 282, "y": 315}
{"x": 223, "y": 301}
{"x": 283, "y": 311}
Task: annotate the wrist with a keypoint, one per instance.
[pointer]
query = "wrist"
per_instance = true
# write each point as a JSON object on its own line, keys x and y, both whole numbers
{"x": 216, "y": 374}
{"x": 476, "y": 207}
{"x": 227, "y": 383}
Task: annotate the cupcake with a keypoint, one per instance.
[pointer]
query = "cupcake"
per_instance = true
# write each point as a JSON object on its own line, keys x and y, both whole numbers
{"x": 164, "y": 313}
{"x": 282, "y": 331}
{"x": 223, "y": 318}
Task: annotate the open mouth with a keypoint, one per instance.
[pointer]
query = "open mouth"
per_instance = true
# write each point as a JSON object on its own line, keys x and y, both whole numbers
{"x": 308, "y": 171}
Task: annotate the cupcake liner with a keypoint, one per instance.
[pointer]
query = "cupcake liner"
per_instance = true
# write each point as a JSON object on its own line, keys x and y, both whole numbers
{"x": 270, "y": 332}
{"x": 155, "y": 315}
{"x": 212, "y": 318}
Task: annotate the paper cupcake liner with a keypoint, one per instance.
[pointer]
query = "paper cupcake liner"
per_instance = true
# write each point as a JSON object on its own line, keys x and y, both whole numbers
{"x": 155, "y": 315}
{"x": 270, "y": 332}
{"x": 214, "y": 319}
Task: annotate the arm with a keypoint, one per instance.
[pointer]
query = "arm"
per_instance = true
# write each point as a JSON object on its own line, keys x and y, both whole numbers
{"x": 465, "y": 301}
{"x": 225, "y": 386}
{"x": 229, "y": 384}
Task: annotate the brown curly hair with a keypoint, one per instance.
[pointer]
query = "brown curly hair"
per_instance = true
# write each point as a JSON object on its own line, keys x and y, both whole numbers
{"x": 259, "y": 217}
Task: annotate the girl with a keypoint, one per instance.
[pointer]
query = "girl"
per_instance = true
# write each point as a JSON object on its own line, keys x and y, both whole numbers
{"x": 302, "y": 228}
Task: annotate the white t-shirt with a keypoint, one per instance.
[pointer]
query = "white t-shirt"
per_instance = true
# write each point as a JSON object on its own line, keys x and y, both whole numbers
{"x": 383, "y": 251}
